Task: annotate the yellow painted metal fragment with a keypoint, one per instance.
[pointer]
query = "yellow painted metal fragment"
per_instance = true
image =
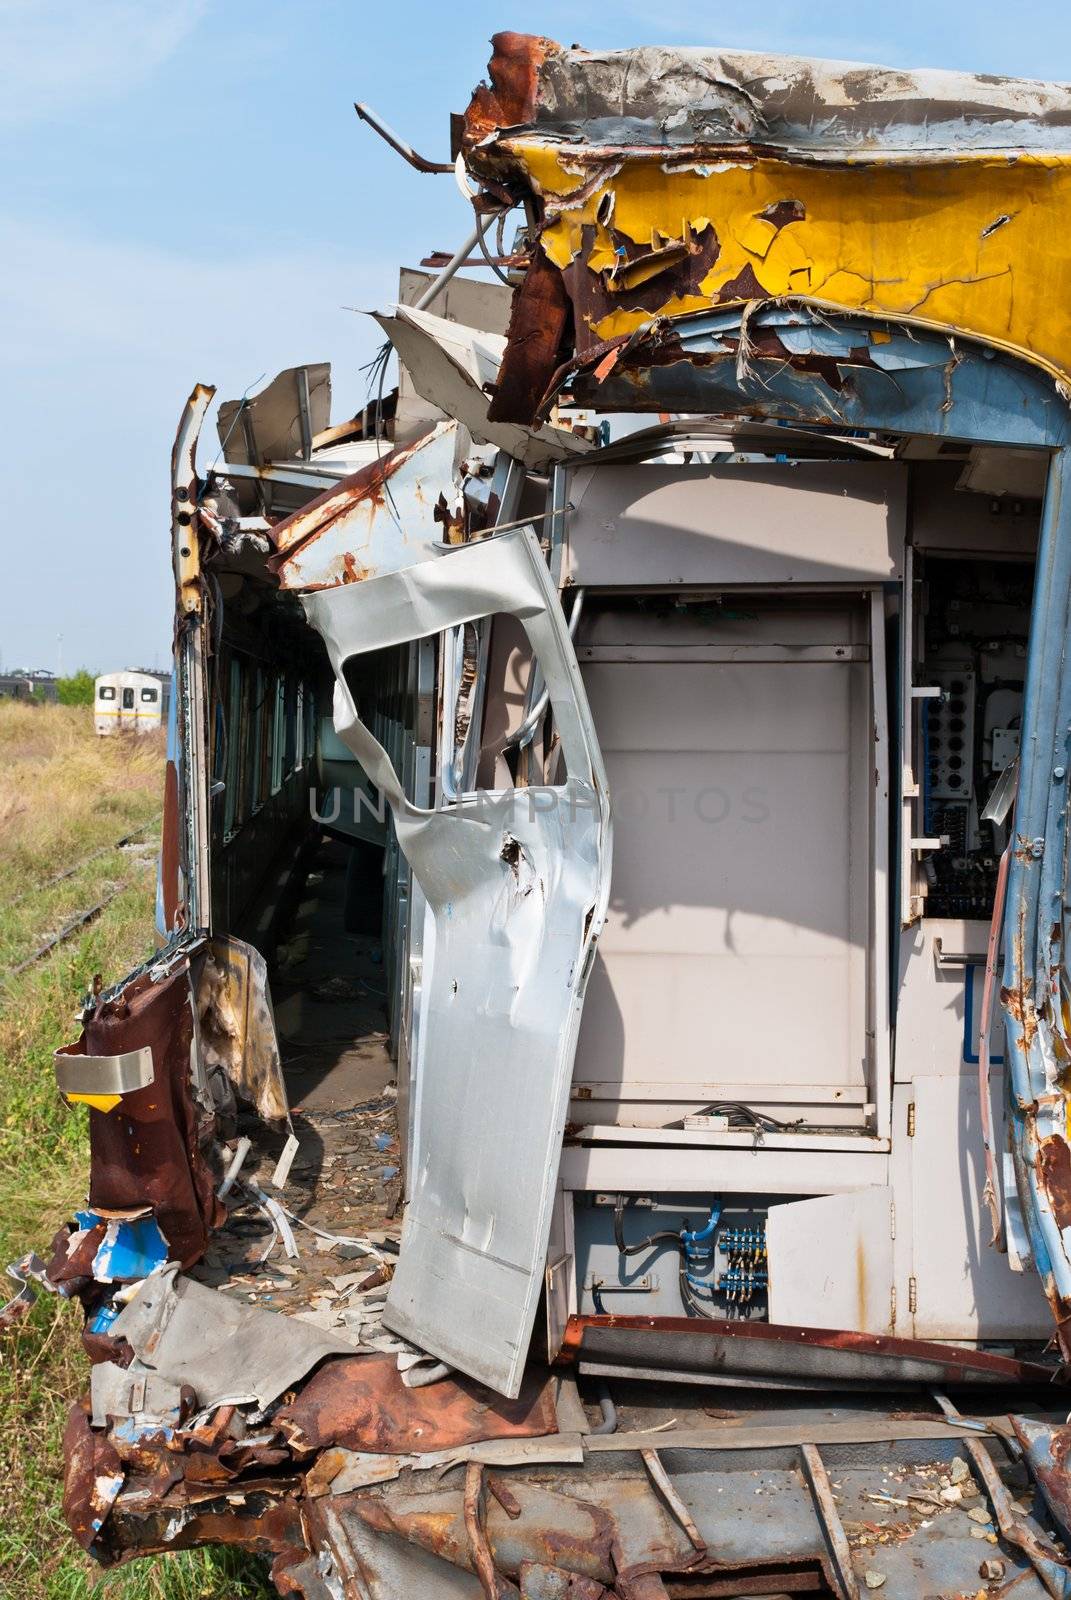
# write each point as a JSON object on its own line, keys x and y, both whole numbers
{"x": 975, "y": 243}
{"x": 99, "y": 1102}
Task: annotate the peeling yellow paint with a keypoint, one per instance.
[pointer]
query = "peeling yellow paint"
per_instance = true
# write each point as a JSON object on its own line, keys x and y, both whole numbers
{"x": 977, "y": 244}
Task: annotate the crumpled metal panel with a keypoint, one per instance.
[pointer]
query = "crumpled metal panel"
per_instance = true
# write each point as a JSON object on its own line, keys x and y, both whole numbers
{"x": 362, "y": 1404}
{"x": 682, "y": 97}
{"x": 225, "y": 1350}
{"x": 516, "y": 883}
{"x": 277, "y": 423}
{"x": 452, "y": 366}
{"x": 794, "y": 364}
{"x": 669, "y": 181}
{"x": 381, "y": 518}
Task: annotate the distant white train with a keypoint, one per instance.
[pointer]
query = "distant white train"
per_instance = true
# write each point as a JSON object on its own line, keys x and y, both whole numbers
{"x": 127, "y": 702}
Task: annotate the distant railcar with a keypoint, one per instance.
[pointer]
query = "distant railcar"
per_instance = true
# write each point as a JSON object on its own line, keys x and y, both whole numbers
{"x": 127, "y": 702}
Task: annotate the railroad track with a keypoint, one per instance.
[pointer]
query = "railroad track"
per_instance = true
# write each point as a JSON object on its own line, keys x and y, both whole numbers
{"x": 82, "y": 919}
{"x": 94, "y": 855}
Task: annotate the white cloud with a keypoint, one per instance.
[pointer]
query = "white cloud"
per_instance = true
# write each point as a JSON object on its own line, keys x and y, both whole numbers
{"x": 59, "y": 56}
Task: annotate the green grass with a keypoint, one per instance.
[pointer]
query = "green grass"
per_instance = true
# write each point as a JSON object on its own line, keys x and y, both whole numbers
{"x": 64, "y": 793}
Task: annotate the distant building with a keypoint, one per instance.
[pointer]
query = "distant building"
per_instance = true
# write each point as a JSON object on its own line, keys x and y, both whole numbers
{"x": 33, "y": 685}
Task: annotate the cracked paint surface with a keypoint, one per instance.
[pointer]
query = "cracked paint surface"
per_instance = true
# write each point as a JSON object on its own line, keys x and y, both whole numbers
{"x": 974, "y": 244}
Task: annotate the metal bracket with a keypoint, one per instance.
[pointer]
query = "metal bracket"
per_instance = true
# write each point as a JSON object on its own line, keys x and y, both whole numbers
{"x": 102, "y": 1080}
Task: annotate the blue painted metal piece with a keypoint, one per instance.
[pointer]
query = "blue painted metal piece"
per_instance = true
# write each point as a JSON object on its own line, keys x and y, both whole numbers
{"x": 794, "y": 364}
{"x": 1045, "y": 1445}
{"x": 864, "y": 373}
{"x": 130, "y": 1251}
{"x": 970, "y": 1054}
{"x": 101, "y": 1320}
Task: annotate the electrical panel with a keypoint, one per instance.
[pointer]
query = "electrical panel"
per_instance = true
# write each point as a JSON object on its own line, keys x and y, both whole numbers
{"x": 949, "y": 738}
{"x": 977, "y": 616}
{"x": 684, "y": 1255}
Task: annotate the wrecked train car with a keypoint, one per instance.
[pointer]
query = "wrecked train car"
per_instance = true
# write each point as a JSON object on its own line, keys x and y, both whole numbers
{"x": 695, "y": 787}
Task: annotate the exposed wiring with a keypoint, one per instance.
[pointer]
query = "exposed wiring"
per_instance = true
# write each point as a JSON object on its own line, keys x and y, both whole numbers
{"x": 243, "y": 403}
{"x": 481, "y": 239}
{"x": 742, "y": 1116}
{"x": 685, "y": 1243}
{"x": 666, "y": 1236}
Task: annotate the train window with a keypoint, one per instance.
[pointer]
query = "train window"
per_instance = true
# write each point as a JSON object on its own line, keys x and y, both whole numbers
{"x": 256, "y": 794}
{"x": 234, "y": 709}
{"x": 290, "y": 704}
{"x": 310, "y": 724}
{"x": 128, "y": 699}
{"x": 149, "y": 696}
{"x": 278, "y": 734}
{"x": 107, "y": 692}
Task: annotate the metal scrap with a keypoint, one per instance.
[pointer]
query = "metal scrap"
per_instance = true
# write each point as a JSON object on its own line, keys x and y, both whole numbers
{"x": 363, "y": 1404}
{"x": 222, "y": 1349}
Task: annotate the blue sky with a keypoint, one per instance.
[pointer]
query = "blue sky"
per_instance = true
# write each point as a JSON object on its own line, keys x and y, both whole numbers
{"x": 188, "y": 196}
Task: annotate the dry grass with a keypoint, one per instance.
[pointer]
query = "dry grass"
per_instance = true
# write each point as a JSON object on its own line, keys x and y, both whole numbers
{"x": 63, "y": 794}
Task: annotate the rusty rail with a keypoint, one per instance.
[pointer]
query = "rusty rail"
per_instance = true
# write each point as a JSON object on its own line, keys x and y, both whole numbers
{"x": 94, "y": 855}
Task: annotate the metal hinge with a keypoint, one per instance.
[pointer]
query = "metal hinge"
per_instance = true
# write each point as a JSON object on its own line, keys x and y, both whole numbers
{"x": 892, "y": 1219}
{"x": 912, "y": 1295}
{"x": 892, "y": 1307}
{"x": 911, "y": 1119}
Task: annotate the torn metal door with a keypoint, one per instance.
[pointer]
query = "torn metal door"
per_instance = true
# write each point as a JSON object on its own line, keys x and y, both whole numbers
{"x": 516, "y": 883}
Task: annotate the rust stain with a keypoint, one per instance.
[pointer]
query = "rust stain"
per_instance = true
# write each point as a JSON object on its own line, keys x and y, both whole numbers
{"x": 1054, "y": 1174}
{"x": 960, "y": 1364}
{"x": 1020, "y": 1004}
{"x": 537, "y": 333}
{"x": 509, "y": 99}
{"x": 365, "y": 487}
{"x": 362, "y": 1404}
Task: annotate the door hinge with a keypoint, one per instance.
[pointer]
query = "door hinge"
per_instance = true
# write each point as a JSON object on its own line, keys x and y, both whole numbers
{"x": 911, "y": 1119}
{"x": 892, "y": 1307}
{"x": 892, "y": 1219}
{"x": 912, "y": 1295}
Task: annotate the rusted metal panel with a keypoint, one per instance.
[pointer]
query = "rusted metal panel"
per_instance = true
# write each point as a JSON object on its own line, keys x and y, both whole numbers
{"x": 510, "y": 97}
{"x": 149, "y": 1151}
{"x": 668, "y": 181}
{"x": 384, "y": 517}
{"x": 362, "y": 1404}
{"x": 93, "y": 1478}
{"x": 1048, "y": 1451}
{"x": 538, "y": 324}
{"x": 693, "y": 1346}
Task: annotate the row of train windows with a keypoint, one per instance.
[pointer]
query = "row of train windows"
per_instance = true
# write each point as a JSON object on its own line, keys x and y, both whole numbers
{"x": 148, "y": 696}
{"x": 265, "y": 732}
